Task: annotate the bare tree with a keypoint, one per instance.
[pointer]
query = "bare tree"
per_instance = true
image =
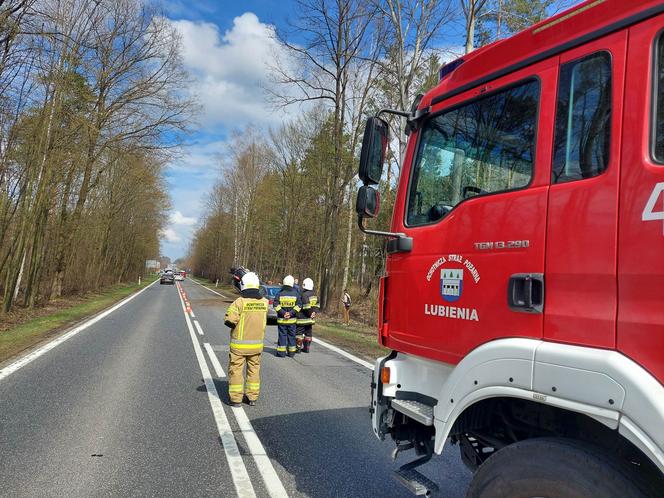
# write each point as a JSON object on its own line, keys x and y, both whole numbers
{"x": 335, "y": 34}
{"x": 90, "y": 96}
{"x": 472, "y": 9}
{"x": 136, "y": 78}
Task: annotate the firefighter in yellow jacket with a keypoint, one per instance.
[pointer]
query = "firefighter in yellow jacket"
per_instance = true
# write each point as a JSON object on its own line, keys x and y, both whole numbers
{"x": 246, "y": 317}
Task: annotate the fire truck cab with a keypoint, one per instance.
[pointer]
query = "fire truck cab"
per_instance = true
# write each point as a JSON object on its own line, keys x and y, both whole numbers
{"x": 523, "y": 297}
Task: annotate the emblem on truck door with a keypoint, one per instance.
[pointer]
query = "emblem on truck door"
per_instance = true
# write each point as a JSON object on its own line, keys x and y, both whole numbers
{"x": 453, "y": 270}
{"x": 451, "y": 284}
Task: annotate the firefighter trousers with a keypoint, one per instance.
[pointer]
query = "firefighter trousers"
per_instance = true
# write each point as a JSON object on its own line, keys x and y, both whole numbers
{"x": 237, "y": 387}
{"x": 306, "y": 332}
{"x": 286, "y": 341}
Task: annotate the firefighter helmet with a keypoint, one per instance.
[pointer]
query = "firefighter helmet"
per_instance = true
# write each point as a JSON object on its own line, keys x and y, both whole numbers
{"x": 289, "y": 281}
{"x": 308, "y": 284}
{"x": 249, "y": 281}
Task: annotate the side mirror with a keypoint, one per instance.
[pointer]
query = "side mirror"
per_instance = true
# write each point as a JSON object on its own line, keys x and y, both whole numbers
{"x": 368, "y": 202}
{"x": 374, "y": 146}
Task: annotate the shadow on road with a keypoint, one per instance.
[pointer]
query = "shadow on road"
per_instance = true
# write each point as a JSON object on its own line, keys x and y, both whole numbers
{"x": 333, "y": 453}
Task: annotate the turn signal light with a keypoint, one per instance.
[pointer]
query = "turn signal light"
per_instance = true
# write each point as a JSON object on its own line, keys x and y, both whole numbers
{"x": 385, "y": 375}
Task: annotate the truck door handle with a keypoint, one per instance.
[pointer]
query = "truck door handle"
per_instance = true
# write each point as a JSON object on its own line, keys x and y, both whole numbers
{"x": 525, "y": 292}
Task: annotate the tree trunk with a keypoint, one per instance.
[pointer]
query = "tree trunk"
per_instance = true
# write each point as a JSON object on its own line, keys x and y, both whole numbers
{"x": 349, "y": 234}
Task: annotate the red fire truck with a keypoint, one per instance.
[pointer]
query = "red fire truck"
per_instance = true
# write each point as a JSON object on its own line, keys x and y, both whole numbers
{"x": 523, "y": 298}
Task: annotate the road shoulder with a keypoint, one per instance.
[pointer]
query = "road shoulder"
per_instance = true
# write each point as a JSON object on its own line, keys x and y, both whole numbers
{"x": 29, "y": 338}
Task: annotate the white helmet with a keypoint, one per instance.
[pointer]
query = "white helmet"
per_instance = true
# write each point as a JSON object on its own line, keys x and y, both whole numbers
{"x": 308, "y": 284}
{"x": 249, "y": 281}
{"x": 289, "y": 281}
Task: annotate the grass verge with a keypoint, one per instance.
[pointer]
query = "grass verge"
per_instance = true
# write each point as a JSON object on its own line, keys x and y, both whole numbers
{"x": 224, "y": 288}
{"x": 355, "y": 338}
{"x": 59, "y": 316}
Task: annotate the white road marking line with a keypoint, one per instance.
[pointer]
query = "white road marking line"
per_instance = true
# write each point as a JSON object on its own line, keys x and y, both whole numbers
{"x": 20, "y": 363}
{"x": 239, "y": 473}
{"x": 198, "y": 327}
{"x": 192, "y": 314}
{"x": 346, "y": 354}
{"x": 214, "y": 360}
{"x": 206, "y": 287}
{"x": 274, "y": 486}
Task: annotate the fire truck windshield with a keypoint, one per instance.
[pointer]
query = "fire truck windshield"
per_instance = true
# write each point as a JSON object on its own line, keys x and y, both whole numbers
{"x": 484, "y": 146}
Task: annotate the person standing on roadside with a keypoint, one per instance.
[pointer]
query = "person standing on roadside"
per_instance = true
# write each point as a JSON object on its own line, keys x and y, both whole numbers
{"x": 346, "y": 301}
{"x": 306, "y": 317}
{"x": 287, "y": 305}
{"x": 246, "y": 317}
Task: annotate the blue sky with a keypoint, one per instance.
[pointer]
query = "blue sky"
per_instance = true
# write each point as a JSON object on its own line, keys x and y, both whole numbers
{"x": 226, "y": 47}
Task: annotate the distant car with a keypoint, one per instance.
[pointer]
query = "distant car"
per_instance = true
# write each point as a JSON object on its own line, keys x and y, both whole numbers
{"x": 167, "y": 278}
{"x": 269, "y": 291}
{"x": 179, "y": 275}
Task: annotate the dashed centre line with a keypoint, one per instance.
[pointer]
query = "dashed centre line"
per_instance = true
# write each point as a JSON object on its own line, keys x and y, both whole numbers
{"x": 239, "y": 473}
{"x": 275, "y": 487}
{"x": 198, "y": 327}
{"x": 214, "y": 360}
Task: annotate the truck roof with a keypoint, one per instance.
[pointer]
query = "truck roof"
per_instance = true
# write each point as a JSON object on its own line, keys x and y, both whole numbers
{"x": 568, "y": 29}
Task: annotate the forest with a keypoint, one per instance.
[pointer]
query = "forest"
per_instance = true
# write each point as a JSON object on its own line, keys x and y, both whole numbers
{"x": 91, "y": 109}
{"x": 284, "y": 199}
{"x": 94, "y": 107}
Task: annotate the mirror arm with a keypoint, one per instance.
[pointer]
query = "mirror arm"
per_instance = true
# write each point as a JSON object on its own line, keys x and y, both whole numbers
{"x": 398, "y": 242}
{"x": 394, "y": 111}
{"x": 413, "y": 119}
{"x": 360, "y": 223}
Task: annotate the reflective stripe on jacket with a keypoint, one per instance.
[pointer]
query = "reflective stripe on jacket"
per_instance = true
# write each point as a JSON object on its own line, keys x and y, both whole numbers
{"x": 247, "y": 317}
{"x": 309, "y": 307}
{"x": 287, "y": 300}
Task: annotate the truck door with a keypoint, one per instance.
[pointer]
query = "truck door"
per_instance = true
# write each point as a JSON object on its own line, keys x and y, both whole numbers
{"x": 641, "y": 229}
{"x": 581, "y": 249}
{"x": 474, "y": 202}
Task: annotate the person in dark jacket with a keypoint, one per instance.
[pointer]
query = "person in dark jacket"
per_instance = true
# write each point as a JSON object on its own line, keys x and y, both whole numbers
{"x": 306, "y": 317}
{"x": 287, "y": 304}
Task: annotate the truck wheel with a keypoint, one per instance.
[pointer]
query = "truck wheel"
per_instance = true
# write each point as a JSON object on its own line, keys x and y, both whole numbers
{"x": 553, "y": 468}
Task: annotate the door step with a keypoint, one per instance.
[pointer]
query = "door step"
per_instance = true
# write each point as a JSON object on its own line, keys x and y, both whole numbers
{"x": 421, "y": 412}
{"x": 416, "y": 483}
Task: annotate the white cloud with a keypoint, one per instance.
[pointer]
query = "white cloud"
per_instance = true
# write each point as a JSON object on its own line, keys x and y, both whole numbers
{"x": 177, "y": 218}
{"x": 231, "y": 69}
{"x": 170, "y": 235}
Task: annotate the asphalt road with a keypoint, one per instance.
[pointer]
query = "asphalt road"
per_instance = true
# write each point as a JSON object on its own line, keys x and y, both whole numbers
{"x": 135, "y": 405}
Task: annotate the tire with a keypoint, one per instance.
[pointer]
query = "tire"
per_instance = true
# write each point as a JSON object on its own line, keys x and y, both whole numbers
{"x": 553, "y": 468}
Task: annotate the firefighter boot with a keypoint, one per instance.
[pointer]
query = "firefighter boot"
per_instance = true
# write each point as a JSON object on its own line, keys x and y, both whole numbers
{"x": 307, "y": 345}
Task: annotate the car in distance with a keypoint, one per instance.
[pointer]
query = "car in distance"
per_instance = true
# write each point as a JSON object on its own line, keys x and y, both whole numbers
{"x": 179, "y": 276}
{"x": 268, "y": 292}
{"x": 167, "y": 278}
